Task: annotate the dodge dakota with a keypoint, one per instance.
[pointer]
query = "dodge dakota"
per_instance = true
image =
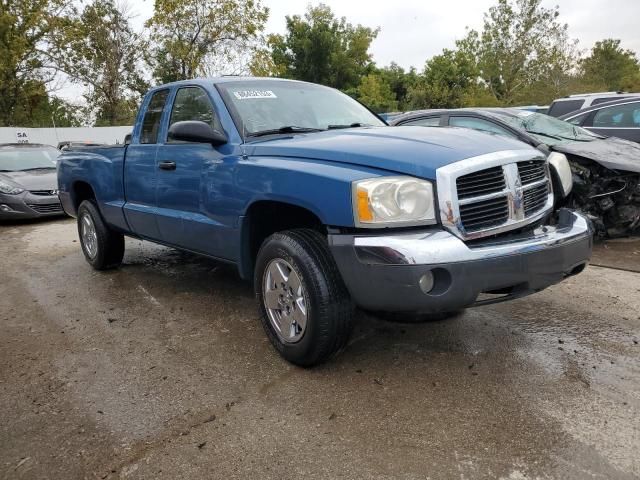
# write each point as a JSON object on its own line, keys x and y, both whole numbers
{"x": 324, "y": 207}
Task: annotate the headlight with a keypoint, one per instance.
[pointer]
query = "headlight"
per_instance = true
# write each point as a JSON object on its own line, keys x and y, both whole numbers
{"x": 10, "y": 189}
{"x": 561, "y": 168}
{"x": 393, "y": 202}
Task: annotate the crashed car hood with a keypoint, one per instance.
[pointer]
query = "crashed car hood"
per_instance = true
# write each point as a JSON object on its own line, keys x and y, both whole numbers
{"x": 614, "y": 153}
{"x": 411, "y": 150}
{"x": 32, "y": 179}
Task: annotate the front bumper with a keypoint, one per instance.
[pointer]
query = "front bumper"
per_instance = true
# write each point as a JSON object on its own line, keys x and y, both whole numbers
{"x": 27, "y": 205}
{"x": 383, "y": 272}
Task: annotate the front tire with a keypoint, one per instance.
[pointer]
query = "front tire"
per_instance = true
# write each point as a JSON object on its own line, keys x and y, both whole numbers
{"x": 304, "y": 305}
{"x": 103, "y": 247}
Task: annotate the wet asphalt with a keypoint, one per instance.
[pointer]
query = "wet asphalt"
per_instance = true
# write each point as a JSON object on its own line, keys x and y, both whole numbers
{"x": 160, "y": 370}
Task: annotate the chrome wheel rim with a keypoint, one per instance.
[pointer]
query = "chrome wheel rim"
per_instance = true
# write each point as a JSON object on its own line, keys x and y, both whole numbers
{"x": 88, "y": 235}
{"x": 285, "y": 300}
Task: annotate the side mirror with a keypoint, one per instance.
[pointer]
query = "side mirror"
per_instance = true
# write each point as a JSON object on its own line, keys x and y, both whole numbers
{"x": 196, "y": 131}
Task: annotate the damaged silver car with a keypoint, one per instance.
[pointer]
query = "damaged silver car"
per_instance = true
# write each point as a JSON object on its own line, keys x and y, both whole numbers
{"x": 606, "y": 170}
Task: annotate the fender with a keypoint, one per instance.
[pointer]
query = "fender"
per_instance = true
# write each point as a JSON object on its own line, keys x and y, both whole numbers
{"x": 322, "y": 188}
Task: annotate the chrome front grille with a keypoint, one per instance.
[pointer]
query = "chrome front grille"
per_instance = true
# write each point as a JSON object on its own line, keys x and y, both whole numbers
{"x": 535, "y": 198}
{"x": 480, "y": 183}
{"x": 532, "y": 171}
{"x": 484, "y": 214}
{"x": 494, "y": 193}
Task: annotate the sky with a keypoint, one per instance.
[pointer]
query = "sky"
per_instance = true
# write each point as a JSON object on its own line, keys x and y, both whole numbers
{"x": 412, "y": 31}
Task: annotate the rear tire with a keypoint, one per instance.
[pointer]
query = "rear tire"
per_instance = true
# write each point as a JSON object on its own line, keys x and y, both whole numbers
{"x": 305, "y": 308}
{"x": 103, "y": 247}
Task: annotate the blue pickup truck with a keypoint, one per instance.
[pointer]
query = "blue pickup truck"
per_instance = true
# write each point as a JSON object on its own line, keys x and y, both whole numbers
{"x": 326, "y": 208}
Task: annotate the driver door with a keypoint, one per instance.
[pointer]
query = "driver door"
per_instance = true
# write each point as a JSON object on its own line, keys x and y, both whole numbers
{"x": 182, "y": 169}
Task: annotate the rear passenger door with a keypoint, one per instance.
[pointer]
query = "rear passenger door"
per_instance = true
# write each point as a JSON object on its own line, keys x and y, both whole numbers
{"x": 140, "y": 175}
{"x": 183, "y": 216}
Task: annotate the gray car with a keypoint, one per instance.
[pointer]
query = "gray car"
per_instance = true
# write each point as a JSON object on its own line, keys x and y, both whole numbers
{"x": 28, "y": 182}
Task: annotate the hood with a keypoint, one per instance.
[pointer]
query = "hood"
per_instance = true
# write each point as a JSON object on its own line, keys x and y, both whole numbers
{"x": 32, "y": 179}
{"x": 614, "y": 153}
{"x": 410, "y": 150}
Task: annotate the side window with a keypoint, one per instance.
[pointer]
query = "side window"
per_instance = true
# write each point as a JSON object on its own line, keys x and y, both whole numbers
{"x": 620, "y": 116}
{"x": 579, "y": 119}
{"x": 424, "y": 122}
{"x": 479, "y": 124}
{"x": 192, "y": 103}
{"x": 565, "y": 106}
{"x": 600, "y": 100}
{"x": 151, "y": 120}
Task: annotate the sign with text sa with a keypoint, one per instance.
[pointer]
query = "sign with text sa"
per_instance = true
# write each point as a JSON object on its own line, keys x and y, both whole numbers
{"x": 22, "y": 136}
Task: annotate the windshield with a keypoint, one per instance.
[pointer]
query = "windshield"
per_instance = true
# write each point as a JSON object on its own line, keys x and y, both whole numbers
{"x": 548, "y": 129}
{"x": 15, "y": 159}
{"x": 290, "y": 107}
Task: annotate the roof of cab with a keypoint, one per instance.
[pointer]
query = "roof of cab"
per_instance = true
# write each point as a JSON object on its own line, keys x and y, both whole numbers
{"x": 225, "y": 79}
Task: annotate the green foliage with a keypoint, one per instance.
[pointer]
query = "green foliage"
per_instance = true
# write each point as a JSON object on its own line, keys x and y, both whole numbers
{"x": 26, "y": 68}
{"x": 100, "y": 50}
{"x": 323, "y": 49}
{"x": 446, "y": 80}
{"x": 611, "y": 66}
{"x": 191, "y": 38}
{"x": 376, "y": 94}
{"x": 48, "y": 111}
{"x": 521, "y": 44}
{"x": 400, "y": 82}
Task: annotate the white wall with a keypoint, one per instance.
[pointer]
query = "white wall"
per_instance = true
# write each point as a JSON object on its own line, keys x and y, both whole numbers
{"x": 51, "y": 136}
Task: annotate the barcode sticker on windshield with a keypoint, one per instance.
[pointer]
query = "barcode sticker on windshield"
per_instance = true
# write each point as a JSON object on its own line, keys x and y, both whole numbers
{"x": 247, "y": 94}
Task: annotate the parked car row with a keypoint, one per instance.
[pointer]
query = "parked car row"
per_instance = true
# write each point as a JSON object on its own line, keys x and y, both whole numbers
{"x": 606, "y": 170}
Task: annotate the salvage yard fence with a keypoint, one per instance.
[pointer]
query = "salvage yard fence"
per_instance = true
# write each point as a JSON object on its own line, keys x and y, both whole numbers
{"x": 53, "y": 136}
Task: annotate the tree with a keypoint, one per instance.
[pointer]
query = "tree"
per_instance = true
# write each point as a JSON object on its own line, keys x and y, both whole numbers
{"x": 447, "y": 81}
{"x": 399, "y": 81}
{"x": 611, "y": 66}
{"x": 323, "y": 49}
{"x": 376, "y": 94}
{"x": 101, "y": 52}
{"x": 196, "y": 37}
{"x": 521, "y": 43}
{"x": 26, "y": 69}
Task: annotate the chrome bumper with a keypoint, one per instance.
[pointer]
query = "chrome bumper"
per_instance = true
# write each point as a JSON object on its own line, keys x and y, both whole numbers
{"x": 444, "y": 247}
{"x": 383, "y": 272}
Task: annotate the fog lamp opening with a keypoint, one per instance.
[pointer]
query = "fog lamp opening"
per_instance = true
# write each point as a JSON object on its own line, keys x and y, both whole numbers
{"x": 426, "y": 282}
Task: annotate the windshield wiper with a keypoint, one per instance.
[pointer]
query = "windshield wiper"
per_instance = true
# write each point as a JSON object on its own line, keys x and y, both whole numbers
{"x": 353, "y": 125}
{"x": 37, "y": 168}
{"x": 285, "y": 129}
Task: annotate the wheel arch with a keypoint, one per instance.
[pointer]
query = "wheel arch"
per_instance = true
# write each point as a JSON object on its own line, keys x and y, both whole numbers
{"x": 265, "y": 217}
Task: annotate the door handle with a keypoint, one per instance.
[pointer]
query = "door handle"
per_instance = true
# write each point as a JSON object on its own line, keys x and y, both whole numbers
{"x": 166, "y": 165}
